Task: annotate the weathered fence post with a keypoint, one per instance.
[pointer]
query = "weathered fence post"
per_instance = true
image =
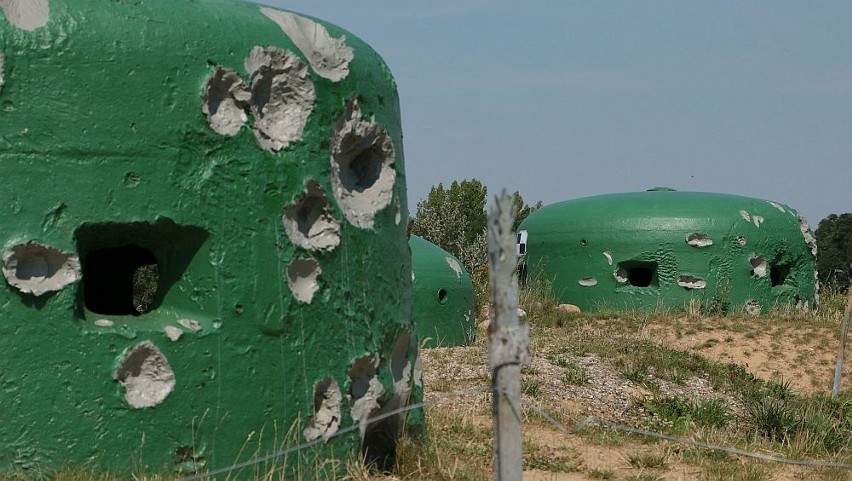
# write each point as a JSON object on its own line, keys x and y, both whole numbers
{"x": 844, "y": 329}
{"x": 508, "y": 341}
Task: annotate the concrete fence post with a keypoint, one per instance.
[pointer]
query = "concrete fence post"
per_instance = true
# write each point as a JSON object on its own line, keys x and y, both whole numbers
{"x": 508, "y": 341}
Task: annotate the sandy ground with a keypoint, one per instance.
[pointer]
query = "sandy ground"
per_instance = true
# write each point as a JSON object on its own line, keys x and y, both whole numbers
{"x": 804, "y": 357}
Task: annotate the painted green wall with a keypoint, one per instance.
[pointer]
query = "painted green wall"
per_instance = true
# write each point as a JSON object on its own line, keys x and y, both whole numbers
{"x": 443, "y": 296}
{"x": 258, "y": 173}
{"x": 668, "y": 249}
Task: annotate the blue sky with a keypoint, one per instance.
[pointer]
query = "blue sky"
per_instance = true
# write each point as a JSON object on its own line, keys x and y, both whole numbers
{"x": 566, "y": 99}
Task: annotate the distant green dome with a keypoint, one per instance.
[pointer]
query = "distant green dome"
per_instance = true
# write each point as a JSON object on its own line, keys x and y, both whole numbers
{"x": 443, "y": 296}
{"x": 669, "y": 249}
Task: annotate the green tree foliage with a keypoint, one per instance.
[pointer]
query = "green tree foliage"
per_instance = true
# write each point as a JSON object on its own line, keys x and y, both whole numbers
{"x": 454, "y": 219}
{"x": 522, "y": 210}
{"x": 834, "y": 257}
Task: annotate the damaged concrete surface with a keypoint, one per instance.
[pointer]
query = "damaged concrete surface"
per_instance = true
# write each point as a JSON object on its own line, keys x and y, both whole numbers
{"x": 672, "y": 249}
{"x": 26, "y": 14}
{"x": 282, "y": 96}
{"x": 36, "y": 269}
{"x": 225, "y": 101}
{"x": 758, "y": 266}
{"x": 454, "y": 265}
{"x": 328, "y": 56}
{"x": 146, "y": 376}
{"x": 401, "y": 370}
{"x": 135, "y": 137}
{"x": 309, "y": 223}
{"x": 699, "y": 240}
{"x": 691, "y": 282}
{"x": 302, "y": 275}
{"x": 365, "y": 390}
{"x": 362, "y": 158}
{"x": 326, "y": 416}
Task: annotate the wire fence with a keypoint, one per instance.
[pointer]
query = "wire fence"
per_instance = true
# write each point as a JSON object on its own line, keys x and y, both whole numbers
{"x": 575, "y": 430}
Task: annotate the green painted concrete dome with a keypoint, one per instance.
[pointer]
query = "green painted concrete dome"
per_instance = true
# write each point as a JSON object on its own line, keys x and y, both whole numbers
{"x": 203, "y": 233}
{"x": 669, "y": 249}
{"x": 443, "y": 296}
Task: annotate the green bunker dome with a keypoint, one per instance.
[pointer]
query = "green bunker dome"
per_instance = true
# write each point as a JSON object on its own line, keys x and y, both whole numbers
{"x": 203, "y": 239}
{"x": 667, "y": 249}
{"x": 443, "y": 296}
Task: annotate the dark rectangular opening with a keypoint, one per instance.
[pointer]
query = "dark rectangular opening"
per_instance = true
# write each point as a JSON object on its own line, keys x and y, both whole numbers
{"x": 638, "y": 273}
{"x": 129, "y": 268}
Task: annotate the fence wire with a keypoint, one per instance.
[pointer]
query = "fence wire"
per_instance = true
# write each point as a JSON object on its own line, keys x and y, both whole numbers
{"x": 577, "y": 429}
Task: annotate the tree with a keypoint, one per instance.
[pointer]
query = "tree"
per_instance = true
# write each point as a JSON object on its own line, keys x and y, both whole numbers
{"x": 522, "y": 210}
{"x": 454, "y": 219}
{"x": 834, "y": 256}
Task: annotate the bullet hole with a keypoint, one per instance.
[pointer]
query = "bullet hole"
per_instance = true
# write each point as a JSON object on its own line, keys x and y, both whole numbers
{"x": 752, "y": 308}
{"x": 757, "y": 219}
{"x": 807, "y": 234}
{"x": 699, "y": 240}
{"x": 326, "y": 411}
{"x": 146, "y": 376}
{"x": 190, "y": 324}
{"x": 583, "y": 242}
{"x": 608, "y": 256}
{"x": 36, "y": 269}
{"x": 188, "y": 460}
{"x": 455, "y": 266}
{"x": 328, "y": 56}
{"x": 282, "y": 96}
{"x": 778, "y": 274}
{"x": 26, "y": 14}
{"x": 417, "y": 374}
{"x": 442, "y": 296}
{"x": 588, "y": 282}
{"x": 362, "y": 158}
{"x": 238, "y": 308}
{"x": 776, "y": 205}
{"x": 638, "y": 273}
{"x": 741, "y": 240}
{"x": 225, "y": 100}
{"x": 172, "y": 332}
{"x": 758, "y": 266}
{"x": 690, "y": 282}
{"x": 400, "y": 365}
{"x": 302, "y": 277}
{"x": 378, "y": 447}
{"x": 309, "y": 223}
{"x": 132, "y": 179}
{"x": 365, "y": 390}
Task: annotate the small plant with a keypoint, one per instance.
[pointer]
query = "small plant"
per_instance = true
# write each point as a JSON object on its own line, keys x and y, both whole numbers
{"x": 574, "y": 374}
{"x": 648, "y": 460}
{"x": 530, "y": 387}
{"x": 596, "y": 473}
{"x": 773, "y": 418}
{"x": 711, "y": 413}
